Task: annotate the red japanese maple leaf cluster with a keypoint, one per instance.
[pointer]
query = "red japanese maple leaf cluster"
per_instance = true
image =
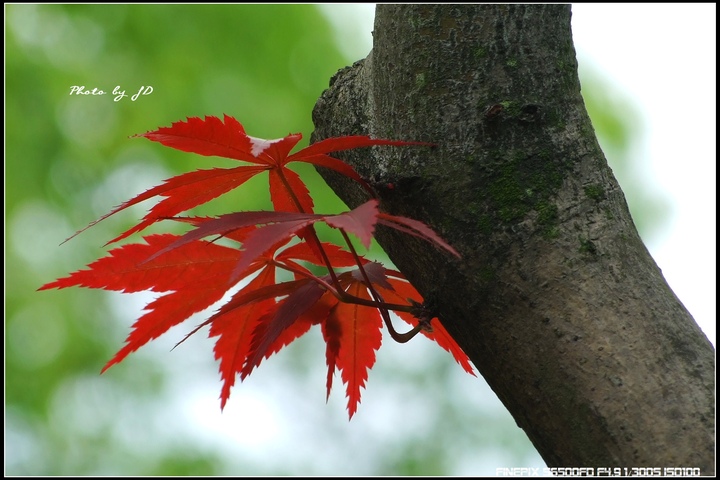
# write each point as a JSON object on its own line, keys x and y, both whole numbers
{"x": 350, "y": 303}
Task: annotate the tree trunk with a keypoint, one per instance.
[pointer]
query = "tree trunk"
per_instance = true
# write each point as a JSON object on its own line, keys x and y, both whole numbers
{"x": 556, "y": 300}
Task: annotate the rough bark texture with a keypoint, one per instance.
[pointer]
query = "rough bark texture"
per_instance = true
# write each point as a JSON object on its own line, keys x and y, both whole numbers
{"x": 556, "y": 299}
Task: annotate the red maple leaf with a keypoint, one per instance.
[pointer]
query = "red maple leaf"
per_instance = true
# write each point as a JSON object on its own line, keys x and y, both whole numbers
{"x": 352, "y": 333}
{"x": 212, "y": 137}
{"x": 264, "y": 315}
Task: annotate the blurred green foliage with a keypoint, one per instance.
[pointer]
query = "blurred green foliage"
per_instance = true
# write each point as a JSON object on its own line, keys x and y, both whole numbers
{"x": 69, "y": 160}
{"x": 617, "y": 125}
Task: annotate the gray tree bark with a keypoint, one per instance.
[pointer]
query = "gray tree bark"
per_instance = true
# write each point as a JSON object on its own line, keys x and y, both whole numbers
{"x": 556, "y": 300}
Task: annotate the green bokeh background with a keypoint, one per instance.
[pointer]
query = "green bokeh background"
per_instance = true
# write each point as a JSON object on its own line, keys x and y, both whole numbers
{"x": 69, "y": 160}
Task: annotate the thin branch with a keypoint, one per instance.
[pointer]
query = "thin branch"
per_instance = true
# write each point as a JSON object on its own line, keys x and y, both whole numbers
{"x": 398, "y": 337}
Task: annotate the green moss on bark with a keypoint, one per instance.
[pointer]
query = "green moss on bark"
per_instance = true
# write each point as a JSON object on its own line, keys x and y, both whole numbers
{"x": 595, "y": 192}
{"x": 522, "y": 184}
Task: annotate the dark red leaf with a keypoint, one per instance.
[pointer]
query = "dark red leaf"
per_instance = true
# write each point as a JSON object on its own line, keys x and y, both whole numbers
{"x": 298, "y": 302}
{"x": 224, "y": 224}
{"x": 376, "y": 274}
{"x": 234, "y": 330}
{"x": 359, "y": 221}
{"x": 301, "y": 251}
{"x": 415, "y": 228}
{"x": 249, "y": 296}
{"x": 265, "y": 238}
